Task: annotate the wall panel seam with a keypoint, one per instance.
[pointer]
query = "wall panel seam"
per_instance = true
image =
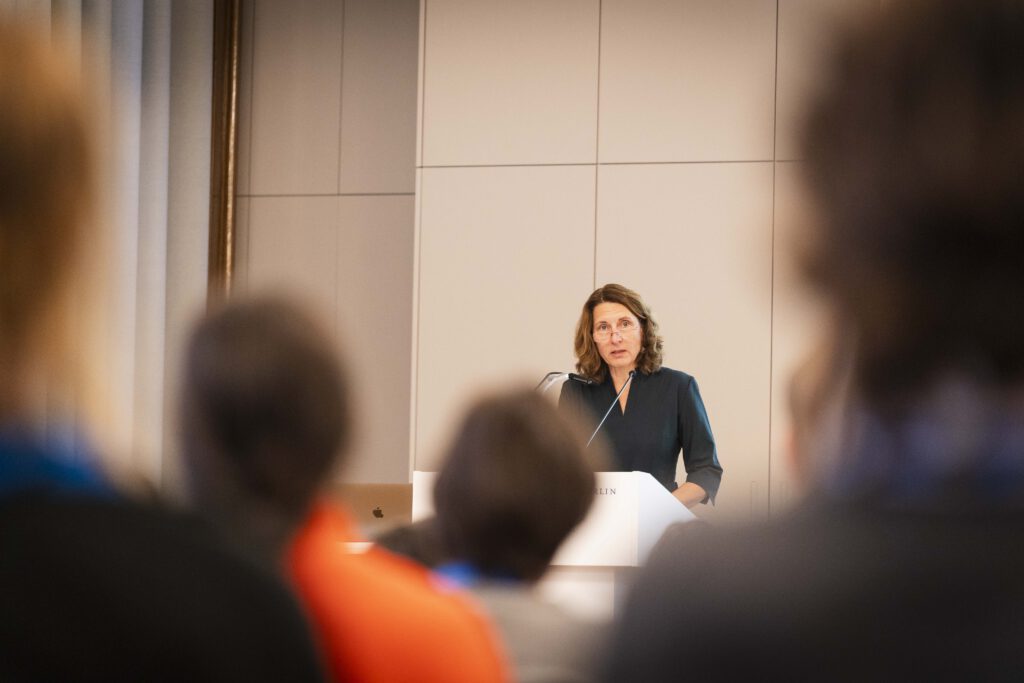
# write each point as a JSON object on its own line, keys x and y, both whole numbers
{"x": 604, "y": 163}
{"x": 597, "y": 143}
{"x": 423, "y": 93}
{"x": 771, "y": 304}
{"x": 341, "y": 94}
{"x": 331, "y": 194}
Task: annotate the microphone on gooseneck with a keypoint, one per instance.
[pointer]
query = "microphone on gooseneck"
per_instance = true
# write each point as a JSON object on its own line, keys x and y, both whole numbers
{"x": 554, "y": 376}
{"x": 548, "y": 380}
{"x": 614, "y": 401}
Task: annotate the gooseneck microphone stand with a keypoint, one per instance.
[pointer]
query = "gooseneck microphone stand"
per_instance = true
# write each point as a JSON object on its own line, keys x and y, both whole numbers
{"x": 609, "y": 411}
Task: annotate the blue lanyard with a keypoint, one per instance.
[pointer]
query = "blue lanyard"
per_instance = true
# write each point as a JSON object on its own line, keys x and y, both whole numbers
{"x": 467, "y": 575}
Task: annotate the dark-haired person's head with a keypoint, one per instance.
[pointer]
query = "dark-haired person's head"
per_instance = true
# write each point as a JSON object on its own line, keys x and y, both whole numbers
{"x": 515, "y": 483}
{"x": 589, "y": 361}
{"x": 914, "y": 156}
{"x": 264, "y": 417}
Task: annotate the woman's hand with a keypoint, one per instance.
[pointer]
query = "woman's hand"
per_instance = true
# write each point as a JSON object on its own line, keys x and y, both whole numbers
{"x": 689, "y": 494}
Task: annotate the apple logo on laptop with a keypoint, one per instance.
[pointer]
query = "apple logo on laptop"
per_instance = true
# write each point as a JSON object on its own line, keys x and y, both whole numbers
{"x": 378, "y": 513}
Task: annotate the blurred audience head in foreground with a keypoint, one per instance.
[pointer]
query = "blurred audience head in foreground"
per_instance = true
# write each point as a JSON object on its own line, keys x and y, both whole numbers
{"x": 906, "y": 561}
{"x": 913, "y": 151}
{"x": 96, "y": 586}
{"x": 265, "y": 419}
{"x": 515, "y": 482}
{"x": 47, "y": 196}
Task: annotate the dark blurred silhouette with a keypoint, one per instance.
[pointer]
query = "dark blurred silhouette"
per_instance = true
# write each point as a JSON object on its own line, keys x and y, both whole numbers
{"x": 265, "y": 421}
{"x": 906, "y": 562}
{"x": 95, "y": 586}
{"x": 418, "y": 541}
{"x": 515, "y": 483}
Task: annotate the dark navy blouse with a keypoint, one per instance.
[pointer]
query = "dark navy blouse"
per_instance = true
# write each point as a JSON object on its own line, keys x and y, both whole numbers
{"x": 664, "y": 414}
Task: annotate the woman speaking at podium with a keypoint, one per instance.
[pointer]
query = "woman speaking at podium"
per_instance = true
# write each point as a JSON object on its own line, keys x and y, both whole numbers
{"x": 646, "y": 412}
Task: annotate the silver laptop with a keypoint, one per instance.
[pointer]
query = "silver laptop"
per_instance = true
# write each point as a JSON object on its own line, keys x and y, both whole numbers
{"x": 376, "y": 508}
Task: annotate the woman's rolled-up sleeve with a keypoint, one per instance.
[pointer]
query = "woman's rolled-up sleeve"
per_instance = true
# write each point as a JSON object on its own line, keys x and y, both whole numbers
{"x": 700, "y": 457}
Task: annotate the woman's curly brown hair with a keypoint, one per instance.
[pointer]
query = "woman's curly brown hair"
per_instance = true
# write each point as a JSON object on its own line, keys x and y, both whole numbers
{"x": 588, "y": 360}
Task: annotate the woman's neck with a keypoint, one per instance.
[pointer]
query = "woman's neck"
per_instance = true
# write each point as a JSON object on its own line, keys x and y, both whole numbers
{"x": 620, "y": 375}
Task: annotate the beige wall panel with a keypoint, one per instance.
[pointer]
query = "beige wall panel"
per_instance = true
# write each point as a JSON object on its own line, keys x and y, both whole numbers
{"x": 689, "y": 80}
{"x": 378, "y": 96}
{"x": 695, "y": 241}
{"x": 293, "y": 247}
{"x": 506, "y": 260}
{"x": 510, "y": 82}
{"x": 375, "y": 260}
{"x": 296, "y": 97}
{"x": 805, "y": 29}
{"x": 798, "y": 325}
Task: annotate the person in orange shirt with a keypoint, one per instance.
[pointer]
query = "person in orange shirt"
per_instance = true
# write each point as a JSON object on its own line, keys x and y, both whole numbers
{"x": 265, "y": 416}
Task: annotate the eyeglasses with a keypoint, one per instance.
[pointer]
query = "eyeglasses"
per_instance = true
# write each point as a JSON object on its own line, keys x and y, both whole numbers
{"x": 625, "y": 327}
